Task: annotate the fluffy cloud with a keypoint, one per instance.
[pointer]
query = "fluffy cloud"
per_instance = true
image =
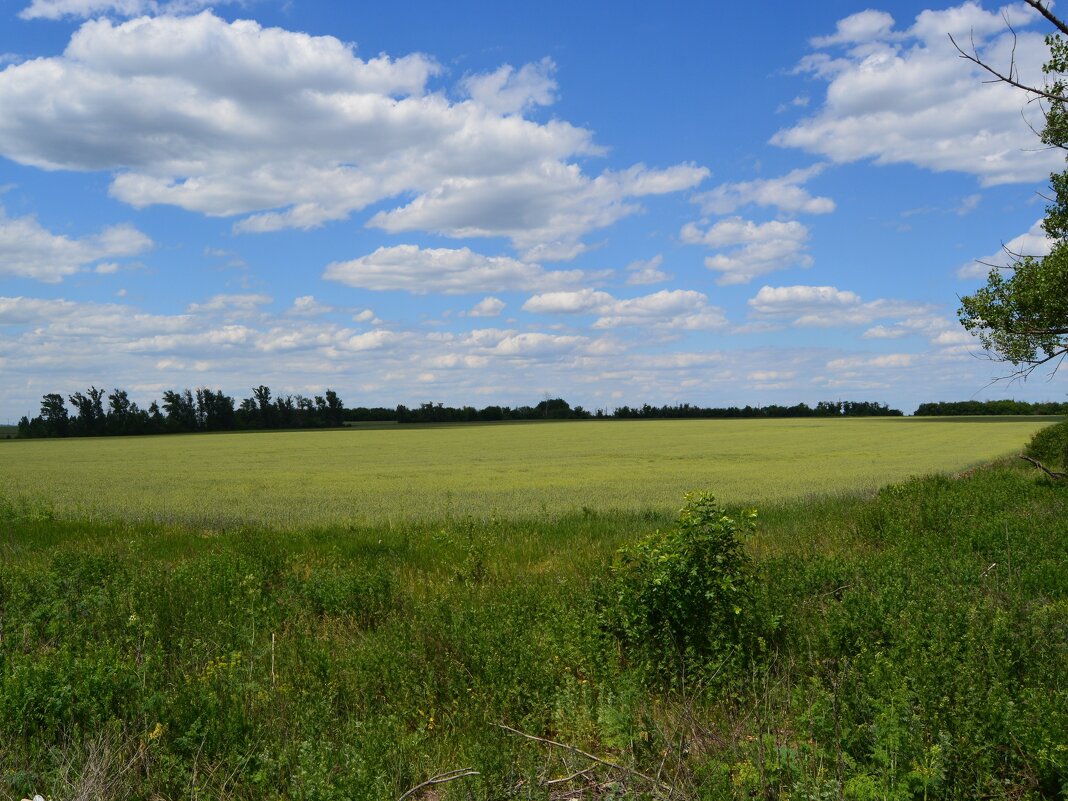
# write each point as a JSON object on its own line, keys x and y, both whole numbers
{"x": 937, "y": 329}
{"x": 785, "y": 194}
{"x": 447, "y": 270}
{"x": 646, "y": 271}
{"x": 779, "y": 300}
{"x": 907, "y": 97}
{"x": 63, "y": 346}
{"x": 544, "y": 210}
{"x": 677, "y": 310}
{"x": 61, "y": 320}
{"x": 758, "y": 248}
{"x": 888, "y": 360}
{"x": 60, "y": 9}
{"x": 1033, "y": 243}
{"x": 308, "y": 306}
{"x": 884, "y": 332}
{"x": 487, "y": 307}
{"x": 29, "y": 250}
{"x": 864, "y": 26}
{"x": 229, "y": 303}
{"x": 771, "y": 376}
{"x": 511, "y": 91}
{"x": 827, "y": 306}
{"x": 26, "y": 311}
{"x": 286, "y": 130}
{"x": 581, "y": 301}
{"x": 530, "y": 344}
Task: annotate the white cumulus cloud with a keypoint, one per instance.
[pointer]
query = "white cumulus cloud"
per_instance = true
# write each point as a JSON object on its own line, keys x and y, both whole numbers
{"x": 890, "y": 360}
{"x": 544, "y": 210}
{"x": 1033, "y": 243}
{"x": 858, "y": 28}
{"x": 828, "y": 306}
{"x": 29, "y": 250}
{"x": 226, "y": 303}
{"x": 646, "y": 271}
{"x": 906, "y": 96}
{"x": 280, "y": 129}
{"x": 786, "y": 193}
{"x": 758, "y": 248}
{"x": 62, "y": 9}
{"x": 452, "y": 271}
{"x": 487, "y": 307}
{"x": 308, "y": 306}
{"x": 676, "y": 310}
{"x": 507, "y": 90}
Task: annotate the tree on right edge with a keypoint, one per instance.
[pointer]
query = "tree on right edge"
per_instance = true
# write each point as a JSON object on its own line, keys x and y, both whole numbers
{"x": 1021, "y": 315}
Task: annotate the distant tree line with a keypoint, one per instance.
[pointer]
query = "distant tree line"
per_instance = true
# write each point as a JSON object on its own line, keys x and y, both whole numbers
{"x": 97, "y": 413}
{"x": 548, "y": 409}
{"x": 994, "y": 407}
{"x": 560, "y": 409}
{"x": 821, "y": 409}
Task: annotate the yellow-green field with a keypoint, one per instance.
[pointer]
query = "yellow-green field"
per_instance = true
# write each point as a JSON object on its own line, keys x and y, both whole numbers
{"x": 511, "y": 471}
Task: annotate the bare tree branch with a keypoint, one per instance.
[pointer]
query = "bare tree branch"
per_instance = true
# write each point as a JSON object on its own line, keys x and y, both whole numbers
{"x": 1054, "y": 474}
{"x": 1049, "y": 15}
{"x": 441, "y": 778}
{"x": 1038, "y": 134}
{"x": 974, "y": 58}
{"x": 580, "y": 752}
{"x": 1024, "y": 373}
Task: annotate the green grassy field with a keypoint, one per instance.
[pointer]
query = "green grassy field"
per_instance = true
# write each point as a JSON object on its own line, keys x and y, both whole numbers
{"x": 903, "y": 645}
{"x": 360, "y": 476}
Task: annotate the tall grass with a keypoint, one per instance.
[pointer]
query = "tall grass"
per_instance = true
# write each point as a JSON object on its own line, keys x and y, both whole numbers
{"x": 913, "y": 644}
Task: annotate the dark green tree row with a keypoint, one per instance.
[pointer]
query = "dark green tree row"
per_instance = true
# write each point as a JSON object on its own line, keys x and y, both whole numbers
{"x": 560, "y": 409}
{"x": 95, "y": 413}
{"x": 991, "y": 407}
{"x": 549, "y": 409}
{"x": 821, "y": 409}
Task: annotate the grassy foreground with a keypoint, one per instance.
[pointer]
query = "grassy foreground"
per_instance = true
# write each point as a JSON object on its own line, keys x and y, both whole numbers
{"x": 358, "y": 477}
{"x": 909, "y": 645}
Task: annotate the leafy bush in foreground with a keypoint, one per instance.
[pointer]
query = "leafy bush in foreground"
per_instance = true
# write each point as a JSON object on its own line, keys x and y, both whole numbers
{"x": 684, "y": 592}
{"x": 1050, "y": 445}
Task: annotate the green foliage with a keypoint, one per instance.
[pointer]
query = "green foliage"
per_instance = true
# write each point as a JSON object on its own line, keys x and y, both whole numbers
{"x": 921, "y": 651}
{"x": 685, "y": 591}
{"x": 1022, "y": 318}
{"x": 1050, "y": 446}
{"x": 990, "y": 407}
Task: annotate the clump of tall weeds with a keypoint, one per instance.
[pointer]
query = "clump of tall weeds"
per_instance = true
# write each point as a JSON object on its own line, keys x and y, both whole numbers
{"x": 1050, "y": 446}
{"x": 684, "y": 596}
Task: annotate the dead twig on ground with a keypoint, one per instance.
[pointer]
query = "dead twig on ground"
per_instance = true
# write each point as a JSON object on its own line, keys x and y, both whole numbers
{"x": 659, "y": 786}
{"x": 1054, "y": 474}
{"x": 441, "y": 778}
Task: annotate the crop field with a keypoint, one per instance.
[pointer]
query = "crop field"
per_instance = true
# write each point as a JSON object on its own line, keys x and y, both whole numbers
{"x": 901, "y": 644}
{"x": 521, "y": 471}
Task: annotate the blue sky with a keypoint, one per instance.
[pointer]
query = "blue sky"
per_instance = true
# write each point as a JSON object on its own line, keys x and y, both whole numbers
{"x": 482, "y": 203}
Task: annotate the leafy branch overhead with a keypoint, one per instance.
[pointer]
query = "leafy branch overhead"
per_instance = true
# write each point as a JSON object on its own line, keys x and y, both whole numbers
{"x": 1021, "y": 315}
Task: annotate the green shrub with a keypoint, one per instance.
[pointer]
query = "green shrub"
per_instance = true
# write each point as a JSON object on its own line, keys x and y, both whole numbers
{"x": 365, "y": 594}
{"x": 684, "y": 592}
{"x": 1050, "y": 445}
